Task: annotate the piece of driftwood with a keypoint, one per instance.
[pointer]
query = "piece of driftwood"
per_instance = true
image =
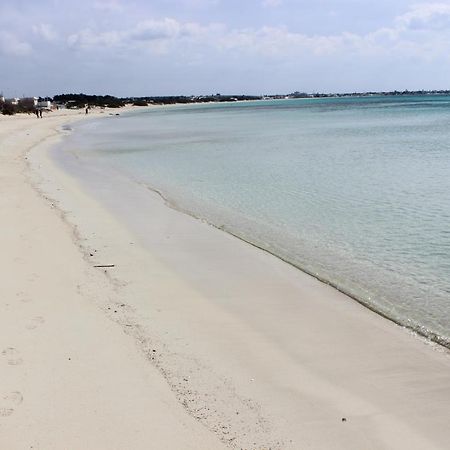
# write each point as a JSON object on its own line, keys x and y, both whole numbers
{"x": 106, "y": 265}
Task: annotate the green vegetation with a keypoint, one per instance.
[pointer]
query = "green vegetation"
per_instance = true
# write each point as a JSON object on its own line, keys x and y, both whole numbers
{"x": 81, "y": 100}
{"x": 8, "y": 109}
{"x": 140, "y": 103}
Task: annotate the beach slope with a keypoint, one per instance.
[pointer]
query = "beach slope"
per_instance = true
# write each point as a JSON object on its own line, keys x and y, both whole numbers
{"x": 69, "y": 377}
{"x": 192, "y": 338}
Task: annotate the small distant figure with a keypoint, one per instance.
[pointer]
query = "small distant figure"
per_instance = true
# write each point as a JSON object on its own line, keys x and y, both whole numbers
{"x": 87, "y": 109}
{"x": 36, "y": 111}
{"x": 40, "y": 113}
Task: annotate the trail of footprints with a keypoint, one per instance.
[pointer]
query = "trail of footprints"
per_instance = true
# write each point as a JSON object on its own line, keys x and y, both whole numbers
{"x": 34, "y": 322}
{"x": 10, "y": 400}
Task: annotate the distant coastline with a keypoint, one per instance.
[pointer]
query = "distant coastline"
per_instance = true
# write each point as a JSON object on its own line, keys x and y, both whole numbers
{"x": 79, "y": 100}
{"x": 10, "y": 106}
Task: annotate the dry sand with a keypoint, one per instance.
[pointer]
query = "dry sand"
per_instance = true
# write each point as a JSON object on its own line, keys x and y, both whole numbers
{"x": 69, "y": 377}
{"x": 193, "y": 340}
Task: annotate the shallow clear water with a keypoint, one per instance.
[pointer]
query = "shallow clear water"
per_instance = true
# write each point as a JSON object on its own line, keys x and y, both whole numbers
{"x": 355, "y": 191}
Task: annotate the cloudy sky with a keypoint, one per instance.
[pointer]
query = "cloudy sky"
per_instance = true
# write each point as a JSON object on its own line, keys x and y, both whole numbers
{"x": 168, "y": 47}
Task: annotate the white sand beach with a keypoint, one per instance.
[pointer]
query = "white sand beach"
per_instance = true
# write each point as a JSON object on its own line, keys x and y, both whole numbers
{"x": 193, "y": 340}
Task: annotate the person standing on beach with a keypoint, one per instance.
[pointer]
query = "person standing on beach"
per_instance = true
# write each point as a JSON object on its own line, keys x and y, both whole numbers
{"x": 40, "y": 113}
{"x": 87, "y": 109}
{"x": 36, "y": 111}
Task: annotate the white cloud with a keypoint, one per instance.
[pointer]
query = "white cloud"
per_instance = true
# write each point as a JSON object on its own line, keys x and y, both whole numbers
{"x": 280, "y": 42}
{"x": 155, "y": 35}
{"x": 431, "y": 16}
{"x": 401, "y": 39}
{"x": 153, "y": 29}
{"x": 165, "y": 35}
{"x": 45, "y": 31}
{"x": 86, "y": 39}
{"x": 11, "y": 45}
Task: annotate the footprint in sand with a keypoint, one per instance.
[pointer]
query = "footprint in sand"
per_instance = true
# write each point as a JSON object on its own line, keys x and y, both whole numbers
{"x": 8, "y": 402}
{"x": 23, "y": 297}
{"x": 12, "y": 356}
{"x": 34, "y": 322}
{"x": 33, "y": 277}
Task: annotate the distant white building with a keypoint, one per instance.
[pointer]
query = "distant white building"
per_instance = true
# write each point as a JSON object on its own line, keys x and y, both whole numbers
{"x": 45, "y": 104}
{"x": 32, "y": 99}
{"x": 29, "y": 101}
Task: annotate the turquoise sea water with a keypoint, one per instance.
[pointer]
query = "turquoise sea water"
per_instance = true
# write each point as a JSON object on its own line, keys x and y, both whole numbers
{"x": 355, "y": 191}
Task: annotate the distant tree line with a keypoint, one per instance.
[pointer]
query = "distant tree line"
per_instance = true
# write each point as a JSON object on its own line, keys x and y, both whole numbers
{"x": 80, "y": 100}
{"x": 167, "y": 100}
{"x": 368, "y": 94}
{"x": 76, "y": 101}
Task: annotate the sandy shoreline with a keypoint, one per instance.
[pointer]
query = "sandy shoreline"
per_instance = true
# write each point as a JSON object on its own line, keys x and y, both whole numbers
{"x": 70, "y": 378}
{"x": 215, "y": 342}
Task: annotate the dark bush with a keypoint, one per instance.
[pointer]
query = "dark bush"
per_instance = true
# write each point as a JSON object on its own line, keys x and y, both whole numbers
{"x": 8, "y": 109}
{"x": 140, "y": 103}
{"x": 25, "y": 108}
{"x": 80, "y": 100}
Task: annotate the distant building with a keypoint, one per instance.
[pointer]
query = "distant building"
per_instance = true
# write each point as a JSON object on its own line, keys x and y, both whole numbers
{"x": 44, "y": 104}
{"x": 29, "y": 102}
{"x": 12, "y": 101}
